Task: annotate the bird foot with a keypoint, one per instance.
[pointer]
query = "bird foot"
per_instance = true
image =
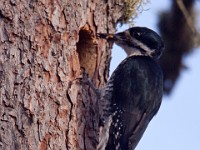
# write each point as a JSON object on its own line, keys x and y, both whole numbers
{"x": 85, "y": 79}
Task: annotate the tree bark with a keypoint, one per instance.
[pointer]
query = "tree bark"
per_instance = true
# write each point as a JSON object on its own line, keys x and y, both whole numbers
{"x": 43, "y": 45}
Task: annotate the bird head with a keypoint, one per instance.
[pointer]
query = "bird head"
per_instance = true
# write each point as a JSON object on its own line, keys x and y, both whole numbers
{"x": 137, "y": 41}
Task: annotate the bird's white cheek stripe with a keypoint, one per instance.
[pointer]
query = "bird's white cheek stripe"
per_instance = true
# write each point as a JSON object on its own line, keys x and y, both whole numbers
{"x": 142, "y": 46}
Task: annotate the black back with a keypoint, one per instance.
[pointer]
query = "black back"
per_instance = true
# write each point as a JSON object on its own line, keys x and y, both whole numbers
{"x": 138, "y": 88}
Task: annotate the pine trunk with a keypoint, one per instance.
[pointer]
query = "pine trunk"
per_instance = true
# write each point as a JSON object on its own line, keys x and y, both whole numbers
{"x": 43, "y": 45}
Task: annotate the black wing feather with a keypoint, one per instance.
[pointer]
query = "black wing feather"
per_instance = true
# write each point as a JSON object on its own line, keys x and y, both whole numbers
{"x": 138, "y": 88}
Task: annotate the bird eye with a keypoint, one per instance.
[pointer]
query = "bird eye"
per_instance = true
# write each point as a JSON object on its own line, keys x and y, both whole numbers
{"x": 137, "y": 33}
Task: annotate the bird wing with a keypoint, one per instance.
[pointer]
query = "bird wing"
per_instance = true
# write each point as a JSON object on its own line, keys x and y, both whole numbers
{"x": 137, "y": 92}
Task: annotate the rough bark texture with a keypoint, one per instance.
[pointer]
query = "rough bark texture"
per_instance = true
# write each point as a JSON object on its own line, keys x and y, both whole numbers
{"x": 43, "y": 45}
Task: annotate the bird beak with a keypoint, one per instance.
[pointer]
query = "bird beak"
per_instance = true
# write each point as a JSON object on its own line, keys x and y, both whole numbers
{"x": 121, "y": 36}
{"x": 108, "y": 37}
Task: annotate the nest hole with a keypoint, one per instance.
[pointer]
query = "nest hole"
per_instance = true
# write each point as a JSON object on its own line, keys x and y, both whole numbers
{"x": 87, "y": 51}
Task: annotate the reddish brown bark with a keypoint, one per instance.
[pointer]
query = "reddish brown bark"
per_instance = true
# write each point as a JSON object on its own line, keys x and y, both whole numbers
{"x": 43, "y": 45}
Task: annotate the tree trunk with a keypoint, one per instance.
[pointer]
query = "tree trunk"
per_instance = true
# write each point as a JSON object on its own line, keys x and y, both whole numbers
{"x": 43, "y": 45}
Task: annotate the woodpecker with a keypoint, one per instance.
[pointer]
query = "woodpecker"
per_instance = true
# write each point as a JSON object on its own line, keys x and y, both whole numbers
{"x": 134, "y": 91}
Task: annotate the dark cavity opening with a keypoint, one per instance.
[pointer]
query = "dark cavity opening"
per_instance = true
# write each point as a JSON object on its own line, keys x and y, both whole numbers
{"x": 87, "y": 50}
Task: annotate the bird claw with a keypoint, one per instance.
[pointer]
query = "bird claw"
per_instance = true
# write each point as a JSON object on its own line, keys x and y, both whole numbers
{"x": 83, "y": 75}
{"x": 85, "y": 79}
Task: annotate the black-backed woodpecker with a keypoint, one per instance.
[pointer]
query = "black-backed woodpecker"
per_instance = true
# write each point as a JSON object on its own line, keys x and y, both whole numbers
{"x": 134, "y": 91}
